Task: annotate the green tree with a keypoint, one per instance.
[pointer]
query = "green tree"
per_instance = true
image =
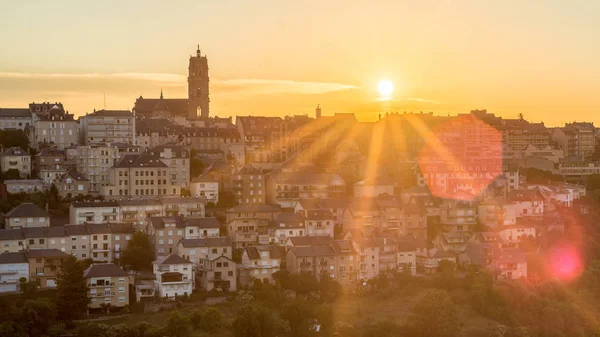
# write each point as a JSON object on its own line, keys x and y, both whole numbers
{"x": 27, "y": 288}
{"x": 177, "y": 325}
{"x": 445, "y": 277}
{"x": 196, "y": 167}
{"x": 435, "y": 315}
{"x": 252, "y": 321}
{"x": 299, "y": 318}
{"x": 12, "y": 329}
{"x": 11, "y": 174}
{"x": 211, "y": 319}
{"x": 38, "y": 316}
{"x": 138, "y": 255}
{"x": 72, "y": 290}
{"x": 330, "y": 289}
{"x": 14, "y": 138}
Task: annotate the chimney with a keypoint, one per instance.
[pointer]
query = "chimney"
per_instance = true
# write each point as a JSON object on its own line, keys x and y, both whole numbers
{"x": 318, "y": 111}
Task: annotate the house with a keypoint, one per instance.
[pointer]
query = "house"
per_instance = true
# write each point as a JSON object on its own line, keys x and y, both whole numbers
{"x": 164, "y": 233}
{"x": 50, "y": 164}
{"x": 287, "y": 225}
{"x": 259, "y": 263}
{"x": 509, "y": 264}
{"x": 208, "y": 248}
{"x": 249, "y": 223}
{"x": 27, "y": 215}
{"x": 367, "y": 252}
{"x": 44, "y": 265}
{"x": 108, "y": 285}
{"x": 428, "y": 261}
{"x": 217, "y": 273}
{"x": 200, "y": 227}
{"x": 205, "y": 187}
{"x": 174, "y": 276}
{"x": 177, "y": 158}
{"x": 459, "y": 216}
{"x": 478, "y": 254}
{"x": 13, "y": 267}
{"x": 25, "y": 185}
{"x": 337, "y": 207}
{"x": 319, "y": 222}
{"x": 81, "y": 212}
{"x": 529, "y": 202}
{"x": 72, "y": 184}
{"x": 17, "y": 160}
{"x": 407, "y": 248}
{"x": 78, "y": 240}
{"x": 363, "y": 214}
{"x": 455, "y": 241}
{"x": 12, "y": 240}
{"x": 496, "y": 213}
{"x": 337, "y": 260}
{"x": 514, "y": 234}
{"x": 249, "y": 185}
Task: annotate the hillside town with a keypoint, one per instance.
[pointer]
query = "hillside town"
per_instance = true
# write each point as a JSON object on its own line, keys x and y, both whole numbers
{"x": 228, "y": 202}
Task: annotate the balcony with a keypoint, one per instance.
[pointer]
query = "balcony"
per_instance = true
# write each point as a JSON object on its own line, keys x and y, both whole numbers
{"x": 100, "y": 285}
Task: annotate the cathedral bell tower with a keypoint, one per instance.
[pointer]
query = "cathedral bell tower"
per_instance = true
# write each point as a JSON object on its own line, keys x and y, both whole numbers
{"x": 198, "y": 98}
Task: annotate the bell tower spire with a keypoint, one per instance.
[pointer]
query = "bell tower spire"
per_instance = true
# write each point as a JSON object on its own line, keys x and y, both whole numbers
{"x": 198, "y": 86}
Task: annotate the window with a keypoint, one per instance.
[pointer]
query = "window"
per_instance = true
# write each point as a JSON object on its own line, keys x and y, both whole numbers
{"x": 121, "y": 289}
{"x": 214, "y": 250}
{"x": 230, "y": 273}
{"x": 121, "y": 299}
{"x": 219, "y": 264}
{"x": 117, "y": 238}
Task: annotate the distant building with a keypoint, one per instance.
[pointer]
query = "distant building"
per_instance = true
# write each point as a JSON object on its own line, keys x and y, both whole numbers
{"x": 249, "y": 185}
{"x": 288, "y": 188}
{"x": 50, "y": 164}
{"x": 13, "y": 267}
{"x": 27, "y": 215}
{"x": 177, "y": 158}
{"x": 44, "y": 265}
{"x": 249, "y": 223}
{"x": 207, "y": 248}
{"x": 25, "y": 186}
{"x": 259, "y": 263}
{"x": 106, "y": 127}
{"x": 15, "y": 158}
{"x": 108, "y": 284}
{"x": 373, "y": 188}
{"x": 174, "y": 276}
{"x": 15, "y": 118}
{"x": 205, "y": 187}
{"x": 94, "y": 162}
{"x": 218, "y": 273}
{"x": 72, "y": 184}
{"x": 52, "y": 126}
{"x": 577, "y": 139}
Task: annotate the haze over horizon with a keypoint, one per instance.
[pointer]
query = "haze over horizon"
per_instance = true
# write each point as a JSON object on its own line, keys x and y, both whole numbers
{"x": 272, "y": 58}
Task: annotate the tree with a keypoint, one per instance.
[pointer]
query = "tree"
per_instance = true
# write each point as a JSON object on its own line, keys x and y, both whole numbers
{"x": 11, "y": 174}
{"x": 14, "y": 138}
{"x": 177, "y": 325}
{"x": 138, "y": 255}
{"x": 252, "y": 321}
{"x": 521, "y": 116}
{"x": 445, "y": 277}
{"x": 299, "y": 317}
{"x": 211, "y": 319}
{"x": 330, "y": 289}
{"x": 72, "y": 290}
{"x": 196, "y": 167}
{"x": 435, "y": 315}
{"x": 12, "y": 329}
{"x": 27, "y": 288}
{"x": 38, "y": 316}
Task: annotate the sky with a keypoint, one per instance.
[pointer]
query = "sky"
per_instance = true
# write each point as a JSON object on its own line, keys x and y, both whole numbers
{"x": 276, "y": 58}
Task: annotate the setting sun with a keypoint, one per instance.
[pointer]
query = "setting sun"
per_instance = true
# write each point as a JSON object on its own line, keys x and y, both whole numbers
{"x": 385, "y": 88}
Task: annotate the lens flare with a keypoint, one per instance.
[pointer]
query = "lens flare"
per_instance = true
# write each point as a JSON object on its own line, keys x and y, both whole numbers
{"x": 565, "y": 263}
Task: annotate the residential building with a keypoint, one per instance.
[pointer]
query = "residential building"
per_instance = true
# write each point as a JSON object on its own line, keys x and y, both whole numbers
{"x": 518, "y": 134}
{"x": 428, "y": 260}
{"x": 94, "y": 162}
{"x": 15, "y": 118}
{"x": 12, "y": 240}
{"x": 15, "y": 158}
{"x": 259, "y": 263}
{"x": 81, "y": 212}
{"x": 319, "y": 222}
{"x": 25, "y": 185}
{"x": 209, "y": 248}
{"x": 200, "y": 227}
{"x": 13, "y": 267}
{"x": 577, "y": 139}
{"x": 373, "y": 187}
{"x": 72, "y": 184}
{"x": 513, "y": 235}
{"x": 53, "y": 126}
{"x": 165, "y": 233}
{"x": 249, "y": 223}
{"x": 78, "y": 240}
{"x": 27, "y": 215}
{"x": 177, "y": 158}
{"x": 108, "y": 285}
{"x": 287, "y": 225}
{"x": 206, "y": 188}
{"x": 100, "y": 242}
{"x": 184, "y": 206}
{"x": 262, "y": 138}
{"x": 288, "y": 188}
{"x": 509, "y": 264}
{"x": 174, "y": 276}
{"x": 44, "y": 265}
{"x": 496, "y": 213}
{"x": 140, "y": 175}
{"x": 107, "y": 126}
{"x": 527, "y": 202}
{"x": 50, "y": 164}
{"x": 121, "y": 234}
{"x": 459, "y": 216}
{"x": 218, "y": 273}
{"x": 249, "y": 185}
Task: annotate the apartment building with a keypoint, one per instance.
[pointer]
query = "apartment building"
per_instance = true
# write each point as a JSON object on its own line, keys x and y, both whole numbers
{"x": 288, "y": 188}
{"x": 44, "y": 265}
{"x": 165, "y": 233}
{"x": 12, "y": 240}
{"x": 53, "y": 126}
{"x": 27, "y": 215}
{"x": 17, "y": 159}
{"x": 373, "y": 187}
{"x": 249, "y": 185}
{"x": 205, "y": 187}
{"x": 249, "y": 223}
{"x": 174, "y": 276}
{"x": 15, "y": 118}
{"x": 72, "y": 184}
{"x": 78, "y": 239}
{"x": 13, "y": 267}
{"x": 25, "y": 185}
{"x": 140, "y": 175}
{"x": 319, "y": 222}
{"x": 259, "y": 263}
{"x": 177, "y": 158}
{"x": 50, "y": 164}
{"x": 107, "y": 126}
{"x": 94, "y": 162}
{"x": 458, "y": 216}
{"x": 108, "y": 285}
{"x": 518, "y": 134}
{"x": 208, "y": 248}
{"x": 287, "y": 225}
{"x": 100, "y": 242}
{"x": 577, "y": 139}
{"x": 218, "y": 273}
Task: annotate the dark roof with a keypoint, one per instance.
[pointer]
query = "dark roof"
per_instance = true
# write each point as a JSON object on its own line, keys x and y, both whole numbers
{"x": 145, "y": 106}
{"x": 158, "y": 222}
{"x": 121, "y": 228}
{"x": 11, "y": 234}
{"x": 15, "y": 151}
{"x": 74, "y": 175}
{"x": 207, "y": 242}
{"x": 178, "y": 151}
{"x": 15, "y": 112}
{"x": 300, "y": 241}
{"x": 174, "y": 259}
{"x": 99, "y": 228}
{"x": 254, "y": 252}
{"x": 19, "y": 257}
{"x": 314, "y": 251}
{"x": 288, "y": 220}
{"x": 76, "y": 230}
{"x": 35, "y": 232}
{"x": 111, "y": 113}
{"x": 140, "y": 160}
{"x": 202, "y": 222}
{"x": 109, "y": 203}
{"x": 55, "y": 232}
{"x": 35, "y": 253}
{"x": 27, "y": 210}
{"x": 50, "y": 151}
{"x": 104, "y": 270}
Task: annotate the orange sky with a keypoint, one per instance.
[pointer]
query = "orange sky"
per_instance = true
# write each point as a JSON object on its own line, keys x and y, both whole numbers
{"x": 271, "y": 57}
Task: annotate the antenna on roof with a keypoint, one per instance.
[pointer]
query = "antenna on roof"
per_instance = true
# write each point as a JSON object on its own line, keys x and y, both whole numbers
{"x": 104, "y": 101}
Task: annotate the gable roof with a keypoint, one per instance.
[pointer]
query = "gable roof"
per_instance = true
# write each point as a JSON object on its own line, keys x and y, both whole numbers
{"x": 104, "y": 270}
{"x": 300, "y": 241}
{"x": 40, "y": 253}
{"x": 75, "y": 175}
{"x": 15, "y": 112}
{"x": 173, "y": 259}
{"x": 255, "y": 208}
{"x": 27, "y": 210}
{"x": 202, "y": 222}
{"x": 207, "y": 242}
{"x": 318, "y": 215}
{"x": 11, "y": 234}
{"x": 254, "y": 252}
{"x": 140, "y": 160}
{"x": 16, "y": 257}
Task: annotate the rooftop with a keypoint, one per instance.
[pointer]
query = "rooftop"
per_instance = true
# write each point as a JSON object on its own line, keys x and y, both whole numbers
{"x": 27, "y": 210}
{"x": 104, "y": 270}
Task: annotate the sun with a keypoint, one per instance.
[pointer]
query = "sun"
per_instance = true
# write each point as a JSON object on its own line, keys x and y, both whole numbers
{"x": 385, "y": 88}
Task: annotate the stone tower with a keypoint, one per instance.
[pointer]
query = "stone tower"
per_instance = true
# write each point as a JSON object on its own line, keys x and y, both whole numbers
{"x": 198, "y": 98}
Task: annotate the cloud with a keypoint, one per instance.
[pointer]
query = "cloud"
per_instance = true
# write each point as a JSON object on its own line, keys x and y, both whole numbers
{"x": 420, "y": 100}
{"x": 155, "y": 77}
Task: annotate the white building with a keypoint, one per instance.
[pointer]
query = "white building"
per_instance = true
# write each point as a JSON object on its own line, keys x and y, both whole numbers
{"x": 259, "y": 263}
{"x": 205, "y": 188}
{"x": 15, "y": 158}
{"x": 208, "y": 248}
{"x": 13, "y": 266}
{"x": 54, "y": 126}
{"x": 174, "y": 276}
{"x": 27, "y": 215}
{"x": 25, "y": 185}
{"x": 107, "y": 126}
{"x": 14, "y": 119}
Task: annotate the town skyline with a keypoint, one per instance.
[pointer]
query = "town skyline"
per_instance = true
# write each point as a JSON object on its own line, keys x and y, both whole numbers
{"x": 441, "y": 58}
